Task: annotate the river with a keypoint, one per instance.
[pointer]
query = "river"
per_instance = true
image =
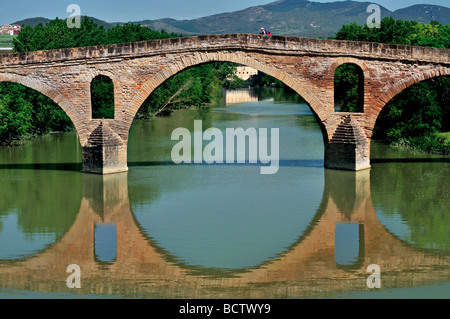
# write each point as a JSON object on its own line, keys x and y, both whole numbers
{"x": 223, "y": 230}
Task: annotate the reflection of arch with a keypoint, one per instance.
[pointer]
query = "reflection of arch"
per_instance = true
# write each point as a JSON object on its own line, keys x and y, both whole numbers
{"x": 52, "y": 94}
{"x": 105, "y": 243}
{"x": 355, "y": 261}
{"x": 303, "y": 87}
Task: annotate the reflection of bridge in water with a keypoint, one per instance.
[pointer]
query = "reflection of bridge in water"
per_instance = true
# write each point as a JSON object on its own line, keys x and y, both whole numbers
{"x": 240, "y": 96}
{"x": 307, "y": 268}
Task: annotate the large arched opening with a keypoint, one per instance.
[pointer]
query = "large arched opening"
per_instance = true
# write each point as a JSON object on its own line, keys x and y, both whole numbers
{"x": 300, "y": 86}
{"x": 28, "y": 112}
{"x": 215, "y": 194}
{"x": 44, "y": 95}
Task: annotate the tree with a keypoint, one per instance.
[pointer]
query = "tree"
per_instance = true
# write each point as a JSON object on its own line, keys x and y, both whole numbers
{"x": 196, "y": 86}
{"x": 15, "y": 113}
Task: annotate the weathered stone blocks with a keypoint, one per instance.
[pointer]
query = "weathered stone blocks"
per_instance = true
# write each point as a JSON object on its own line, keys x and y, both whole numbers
{"x": 104, "y": 153}
{"x": 349, "y": 148}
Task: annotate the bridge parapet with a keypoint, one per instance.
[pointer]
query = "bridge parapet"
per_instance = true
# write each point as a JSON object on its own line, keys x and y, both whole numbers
{"x": 281, "y": 45}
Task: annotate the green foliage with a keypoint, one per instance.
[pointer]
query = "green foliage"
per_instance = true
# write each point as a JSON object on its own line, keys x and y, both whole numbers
{"x": 349, "y": 88}
{"x": 25, "y": 112}
{"x": 102, "y": 97}
{"x": 134, "y": 33}
{"x": 268, "y": 81}
{"x": 15, "y": 114}
{"x": 56, "y": 35}
{"x": 420, "y": 112}
{"x": 196, "y": 86}
{"x": 399, "y": 32}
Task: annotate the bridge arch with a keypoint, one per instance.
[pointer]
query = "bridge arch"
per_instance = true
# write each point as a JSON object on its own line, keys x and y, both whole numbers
{"x": 102, "y": 106}
{"x": 363, "y": 69}
{"x": 400, "y": 86}
{"x": 52, "y": 94}
{"x": 348, "y": 60}
{"x": 300, "y": 86}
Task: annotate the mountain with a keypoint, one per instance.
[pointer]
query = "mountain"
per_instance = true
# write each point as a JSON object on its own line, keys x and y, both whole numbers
{"x": 424, "y": 13}
{"x": 296, "y": 18}
{"x": 32, "y": 22}
{"x": 289, "y": 17}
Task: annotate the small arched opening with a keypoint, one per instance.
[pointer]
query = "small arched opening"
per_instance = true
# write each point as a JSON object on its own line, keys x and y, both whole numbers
{"x": 102, "y": 97}
{"x": 349, "y": 88}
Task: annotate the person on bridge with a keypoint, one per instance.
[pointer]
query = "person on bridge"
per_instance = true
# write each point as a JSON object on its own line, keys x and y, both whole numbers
{"x": 265, "y": 32}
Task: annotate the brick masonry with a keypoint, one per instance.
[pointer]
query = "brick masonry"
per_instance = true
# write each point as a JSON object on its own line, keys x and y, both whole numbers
{"x": 306, "y": 65}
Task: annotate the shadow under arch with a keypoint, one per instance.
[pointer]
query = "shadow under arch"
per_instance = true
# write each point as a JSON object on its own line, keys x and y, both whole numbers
{"x": 302, "y": 88}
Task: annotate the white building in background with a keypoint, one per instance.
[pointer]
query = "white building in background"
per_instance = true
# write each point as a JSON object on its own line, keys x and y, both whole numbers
{"x": 245, "y": 72}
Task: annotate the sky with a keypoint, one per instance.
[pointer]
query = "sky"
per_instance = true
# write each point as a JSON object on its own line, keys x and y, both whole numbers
{"x": 135, "y": 10}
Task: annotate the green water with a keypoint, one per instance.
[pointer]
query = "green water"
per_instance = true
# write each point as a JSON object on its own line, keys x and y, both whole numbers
{"x": 224, "y": 230}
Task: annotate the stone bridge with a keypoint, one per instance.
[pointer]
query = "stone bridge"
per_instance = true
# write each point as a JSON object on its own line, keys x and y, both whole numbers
{"x": 306, "y": 65}
{"x": 307, "y": 268}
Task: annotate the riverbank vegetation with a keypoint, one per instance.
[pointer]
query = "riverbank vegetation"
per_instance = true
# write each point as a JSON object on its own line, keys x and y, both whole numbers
{"x": 419, "y": 116}
{"x": 194, "y": 87}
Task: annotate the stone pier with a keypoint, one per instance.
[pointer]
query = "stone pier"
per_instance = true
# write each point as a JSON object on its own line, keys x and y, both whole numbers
{"x": 349, "y": 148}
{"x": 105, "y": 152}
